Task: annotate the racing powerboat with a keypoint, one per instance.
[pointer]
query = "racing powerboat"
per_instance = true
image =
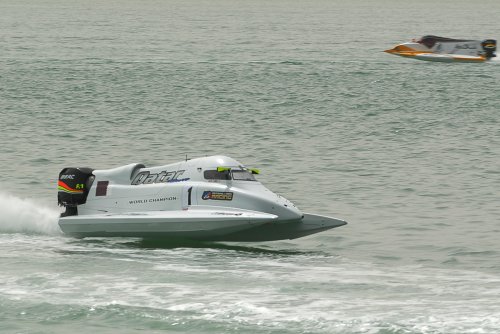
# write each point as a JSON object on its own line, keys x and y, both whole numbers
{"x": 443, "y": 49}
{"x": 213, "y": 198}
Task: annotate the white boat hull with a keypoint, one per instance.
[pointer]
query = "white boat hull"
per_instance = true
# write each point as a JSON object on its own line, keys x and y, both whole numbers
{"x": 197, "y": 225}
{"x": 191, "y": 224}
{"x": 448, "y": 58}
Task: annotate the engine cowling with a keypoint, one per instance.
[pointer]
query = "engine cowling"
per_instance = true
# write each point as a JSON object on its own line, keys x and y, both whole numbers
{"x": 73, "y": 186}
{"x": 489, "y": 47}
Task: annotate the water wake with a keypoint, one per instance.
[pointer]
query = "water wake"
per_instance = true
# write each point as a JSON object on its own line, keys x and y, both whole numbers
{"x": 495, "y": 60}
{"x": 19, "y": 215}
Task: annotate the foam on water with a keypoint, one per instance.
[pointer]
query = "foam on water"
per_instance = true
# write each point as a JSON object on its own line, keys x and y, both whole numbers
{"x": 268, "y": 293}
{"x": 18, "y": 215}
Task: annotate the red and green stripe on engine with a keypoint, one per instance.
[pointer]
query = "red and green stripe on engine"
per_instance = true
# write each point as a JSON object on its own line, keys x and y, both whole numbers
{"x": 61, "y": 186}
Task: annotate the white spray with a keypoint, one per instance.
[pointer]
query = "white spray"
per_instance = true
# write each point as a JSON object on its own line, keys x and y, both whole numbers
{"x": 19, "y": 215}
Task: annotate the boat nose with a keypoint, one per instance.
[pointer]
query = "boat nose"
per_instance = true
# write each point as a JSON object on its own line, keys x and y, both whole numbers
{"x": 401, "y": 49}
{"x": 286, "y": 210}
{"x": 395, "y": 49}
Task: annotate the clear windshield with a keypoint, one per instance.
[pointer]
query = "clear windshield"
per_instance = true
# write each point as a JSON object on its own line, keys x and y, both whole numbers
{"x": 242, "y": 175}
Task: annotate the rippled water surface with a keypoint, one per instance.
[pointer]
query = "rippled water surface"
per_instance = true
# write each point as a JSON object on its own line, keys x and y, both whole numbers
{"x": 407, "y": 152}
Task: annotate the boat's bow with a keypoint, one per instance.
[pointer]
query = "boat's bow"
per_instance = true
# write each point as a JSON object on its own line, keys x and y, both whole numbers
{"x": 410, "y": 49}
{"x": 276, "y": 230}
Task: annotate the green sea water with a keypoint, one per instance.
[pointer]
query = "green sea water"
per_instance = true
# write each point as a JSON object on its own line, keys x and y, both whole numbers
{"x": 407, "y": 152}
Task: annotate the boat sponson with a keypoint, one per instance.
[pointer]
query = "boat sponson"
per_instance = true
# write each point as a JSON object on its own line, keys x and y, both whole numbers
{"x": 309, "y": 224}
{"x": 191, "y": 224}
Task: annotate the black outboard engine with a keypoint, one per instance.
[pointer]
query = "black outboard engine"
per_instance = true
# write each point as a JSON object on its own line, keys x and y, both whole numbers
{"x": 489, "y": 47}
{"x": 73, "y": 188}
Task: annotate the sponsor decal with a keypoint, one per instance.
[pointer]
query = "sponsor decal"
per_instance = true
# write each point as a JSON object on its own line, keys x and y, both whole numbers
{"x": 67, "y": 177}
{"x": 78, "y": 189}
{"x": 227, "y": 214}
{"x": 162, "y": 177}
{"x": 152, "y": 200}
{"x": 217, "y": 195}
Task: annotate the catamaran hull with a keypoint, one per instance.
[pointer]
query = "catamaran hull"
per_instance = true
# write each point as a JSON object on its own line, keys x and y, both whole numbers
{"x": 248, "y": 227}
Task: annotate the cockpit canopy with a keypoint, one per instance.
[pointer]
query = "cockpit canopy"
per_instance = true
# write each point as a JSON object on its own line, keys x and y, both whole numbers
{"x": 430, "y": 40}
{"x": 229, "y": 174}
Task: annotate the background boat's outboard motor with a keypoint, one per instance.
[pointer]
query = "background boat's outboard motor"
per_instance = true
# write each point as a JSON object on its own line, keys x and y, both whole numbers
{"x": 73, "y": 187}
{"x": 489, "y": 47}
